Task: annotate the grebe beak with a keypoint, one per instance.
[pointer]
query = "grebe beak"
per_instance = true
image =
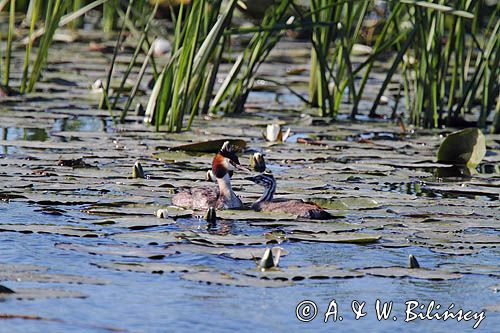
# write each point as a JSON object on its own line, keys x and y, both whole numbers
{"x": 242, "y": 168}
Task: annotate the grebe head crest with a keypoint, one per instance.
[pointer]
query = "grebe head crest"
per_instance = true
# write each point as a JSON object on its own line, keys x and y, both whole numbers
{"x": 226, "y": 161}
{"x": 230, "y": 158}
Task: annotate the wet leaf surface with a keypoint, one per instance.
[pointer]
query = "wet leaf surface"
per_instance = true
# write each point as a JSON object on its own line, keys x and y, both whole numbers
{"x": 155, "y": 268}
{"x": 212, "y": 146}
{"x": 233, "y": 280}
{"x": 353, "y": 238}
{"x": 417, "y": 273}
{"x": 119, "y": 250}
{"x": 50, "y": 229}
{"x": 34, "y": 294}
{"x": 241, "y": 253}
{"x": 308, "y": 272}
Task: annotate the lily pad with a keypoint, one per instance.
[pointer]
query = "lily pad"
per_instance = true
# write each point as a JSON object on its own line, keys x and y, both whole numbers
{"x": 343, "y": 237}
{"x": 32, "y": 294}
{"x": 346, "y": 203}
{"x": 307, "y": 227}
{"x": 118, "y": 250}
{"x": 245, "y": 215}
{"x": 211, "y": 239}
{"x": 465, "y": 147}
{"x": 418, "y": 273}
{"x": 296, "y": 273}
{"x": 6, "y": 268}
{"x": 211, "y": 146}
{"x": 49, "y": 278}
{"x": 149, "y": 237}
{"x": 492, "y": 308}
{"x": 133, "y": 223}
{"x": 241, "y": 253}
{"x": 464, "y": 268}
{"x": 64, "y": 230}
{"x": 228, "y": 279}
{"x": 151, "y": 267}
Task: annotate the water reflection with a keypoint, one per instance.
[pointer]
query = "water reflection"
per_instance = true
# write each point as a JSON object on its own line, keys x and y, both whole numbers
{"x": 28, "y": 134}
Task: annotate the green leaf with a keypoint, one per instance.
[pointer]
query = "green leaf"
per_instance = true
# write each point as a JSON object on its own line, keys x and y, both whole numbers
{"x": 211, "y": 146}
{"x": 465, "y": 147}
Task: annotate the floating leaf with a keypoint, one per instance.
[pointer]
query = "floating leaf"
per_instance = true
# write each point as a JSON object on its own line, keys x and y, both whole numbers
{"x": 151, "y": 267}
{"x": 212, "y": 239}
{"x": 49, "y": 278}
{"x": 133, "y": 223}
{"x": 248, "y": 215}
{"x": 227, "y": 279}
{"x": 150, "y": 237}
{"x": 492, "y": 308}
{"x": 6, "y": 268}
{"x": 465, "y": 268}
{"x": 32, "y": 293}
{"x": 211, "y": 146}
{"x": 307, "y": 227}
{"x": 242, "y": 253}
{"x": 346, "y": 203}
{"x": 343, "y": 237}
{"x": 118, "y": 250}
{"x": 295, "y": 273}
{"x": 464, "y": 147}
{"x": 64, "y": 230}
{"x": 418, "y": 273}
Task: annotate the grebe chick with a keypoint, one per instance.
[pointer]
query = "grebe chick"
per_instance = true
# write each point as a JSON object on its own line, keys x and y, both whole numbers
{"x": 257, "y": 162}
{"x": 223, "y": 164}
{"x": 296, "y": 207}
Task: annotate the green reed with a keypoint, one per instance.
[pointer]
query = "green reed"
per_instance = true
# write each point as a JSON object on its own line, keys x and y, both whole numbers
{"x": 54, "y": 18}
{"x": 455, "y": 56}
{"x": 10, "y": 34}
{"x": 234, "y": 91}
{"x": 336, "y": 28}
{"x": 181, "y": 86}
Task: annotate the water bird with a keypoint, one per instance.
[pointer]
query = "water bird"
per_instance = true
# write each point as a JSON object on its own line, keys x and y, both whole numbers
{"x": 296, "y": 207}
{"x": 223, "y": 197}
{"x": 257, "y": 164}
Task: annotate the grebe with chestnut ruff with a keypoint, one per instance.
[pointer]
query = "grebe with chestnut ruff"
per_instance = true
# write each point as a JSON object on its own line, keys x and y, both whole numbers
{"x": 223, "y": 164}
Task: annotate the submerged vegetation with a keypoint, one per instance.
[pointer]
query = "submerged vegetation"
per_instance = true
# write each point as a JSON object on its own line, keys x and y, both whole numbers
{"x": 442, "y": 56}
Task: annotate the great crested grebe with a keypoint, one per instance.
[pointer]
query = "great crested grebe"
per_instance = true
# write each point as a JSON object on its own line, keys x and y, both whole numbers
{"x": 223, "y": 164}
{"x": 257, "y": 163}
{"x": 296, "y": 207}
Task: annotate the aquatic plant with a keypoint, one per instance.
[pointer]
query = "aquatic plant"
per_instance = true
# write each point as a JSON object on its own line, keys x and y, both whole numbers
{"x": 449, "y": 61}
{"x": 445, "y": 55}
{"x": 233, "y": 93}
{"x": 336, "y": 27}
{"x": 56, "y": 15}
{"x": 182, "y": 85}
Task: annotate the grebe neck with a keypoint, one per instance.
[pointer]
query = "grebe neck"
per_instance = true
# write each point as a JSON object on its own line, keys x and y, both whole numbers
{"x": 229, "y": 198}
{"x": 268, "y": 193}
